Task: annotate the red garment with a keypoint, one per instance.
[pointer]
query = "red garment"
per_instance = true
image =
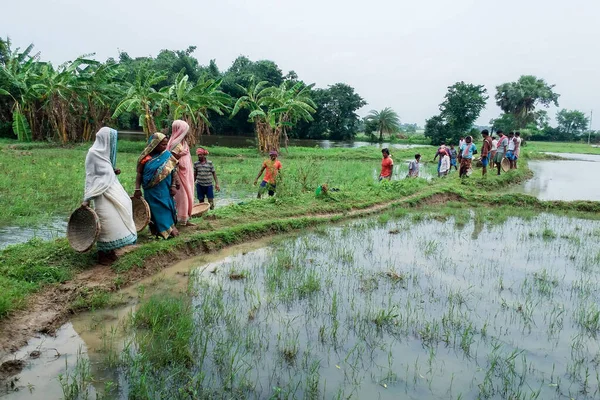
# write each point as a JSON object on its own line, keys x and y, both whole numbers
{"x": 387, "y": 165}
{"x": 271, "y": 170}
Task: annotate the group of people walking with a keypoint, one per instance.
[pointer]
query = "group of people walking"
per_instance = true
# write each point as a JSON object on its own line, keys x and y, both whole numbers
{"x": 493, "y": 150}
{"x": 165, "y": 176}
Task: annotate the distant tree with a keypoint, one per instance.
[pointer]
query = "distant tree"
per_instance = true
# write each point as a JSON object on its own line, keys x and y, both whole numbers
{"x": 436, "y": 129}
{"x": 461, "y": 108}
{"x": 571, "y": 123}
{"x": 521, "y": 98}
{"x": 409, "y": 128}
{"x": 339, "y": 111}
{"x": 505, "y": 123}
{"x": 386, "y": 121}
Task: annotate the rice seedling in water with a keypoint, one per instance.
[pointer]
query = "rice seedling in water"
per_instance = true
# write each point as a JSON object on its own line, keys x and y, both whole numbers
{"x": 485, "y": 317}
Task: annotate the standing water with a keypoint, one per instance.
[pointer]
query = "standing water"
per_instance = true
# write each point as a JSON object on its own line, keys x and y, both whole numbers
{"x": 423, "y": 307}
{"x": 571, "y": 179}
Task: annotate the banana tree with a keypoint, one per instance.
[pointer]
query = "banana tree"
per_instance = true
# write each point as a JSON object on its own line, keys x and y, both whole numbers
{"x": 255, "y": 99}
{"x": 288, "y": 106}
{"x": 191, "y": 103}
{"x": 17, "y": 74}
{"x": 141, "y": 97}
{"x": 98, "y": 96}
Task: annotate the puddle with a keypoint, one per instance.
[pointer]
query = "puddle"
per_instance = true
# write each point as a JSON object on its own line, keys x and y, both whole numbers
{"x": 57, "y": 228}
{"x": 10, "y": 235}
{"x": 92, "y": 337}
{"x": 563, "y": 179}
{"x": 413, "y": 308}
{"x": 400, "y": 171}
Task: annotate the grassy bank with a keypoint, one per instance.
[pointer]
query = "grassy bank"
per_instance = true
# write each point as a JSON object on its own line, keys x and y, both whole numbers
{"x": 48, "y": 181}
{"x": 560, "y": 147}
{"x": 57, "y": 185}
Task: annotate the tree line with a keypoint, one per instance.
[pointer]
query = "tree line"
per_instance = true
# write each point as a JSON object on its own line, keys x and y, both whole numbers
{"x": 520, "y": 102}
{"x": 72, "y": 101}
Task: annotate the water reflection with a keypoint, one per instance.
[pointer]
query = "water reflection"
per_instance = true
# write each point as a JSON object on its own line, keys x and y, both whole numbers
{"x": 10, "y": 235}
{"x": 248, "y": 141}
{"x": 563, "y": 180}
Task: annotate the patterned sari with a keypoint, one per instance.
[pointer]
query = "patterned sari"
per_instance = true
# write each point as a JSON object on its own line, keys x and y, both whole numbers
{"x": 156, "y": 182}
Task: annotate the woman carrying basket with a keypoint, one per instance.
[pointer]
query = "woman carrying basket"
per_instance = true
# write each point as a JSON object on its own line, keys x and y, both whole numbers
{"x": 111, "y": 202}
{"x": 157, "y": 174}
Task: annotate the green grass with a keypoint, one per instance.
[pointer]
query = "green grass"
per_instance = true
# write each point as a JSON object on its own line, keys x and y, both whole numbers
{"x": 43, "y": 182}
{"x": 560, "y": 147}
{"x": 49, "y": 181}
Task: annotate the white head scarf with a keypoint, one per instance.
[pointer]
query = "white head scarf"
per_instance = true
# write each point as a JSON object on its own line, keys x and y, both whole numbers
{"x": 100, "y": 163}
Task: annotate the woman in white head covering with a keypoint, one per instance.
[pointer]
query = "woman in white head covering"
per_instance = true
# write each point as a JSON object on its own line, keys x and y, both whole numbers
{"x": 111, "y": 201}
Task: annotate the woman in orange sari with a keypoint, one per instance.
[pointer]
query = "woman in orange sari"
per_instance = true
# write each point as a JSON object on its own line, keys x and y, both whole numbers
{"x": 184, "y": 195}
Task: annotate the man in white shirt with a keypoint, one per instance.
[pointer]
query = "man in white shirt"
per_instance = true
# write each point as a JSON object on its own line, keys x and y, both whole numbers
{"x": 510, "y": 151}
{"x": 500, "y": 150}
{"x": 517, "y": 147}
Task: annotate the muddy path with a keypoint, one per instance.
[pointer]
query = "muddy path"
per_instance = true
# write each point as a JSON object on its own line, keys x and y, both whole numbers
{"x": 48, "y": 309}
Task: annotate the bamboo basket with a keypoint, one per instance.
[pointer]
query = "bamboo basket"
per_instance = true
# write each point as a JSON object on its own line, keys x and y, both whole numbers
{"x": 141, "y": 213}
{"x": 199, "y": 209}
{"x": 83, "y": 229}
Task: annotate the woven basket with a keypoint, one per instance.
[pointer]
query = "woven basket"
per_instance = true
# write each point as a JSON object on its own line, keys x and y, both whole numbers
{"x": 83, "y": 229}
{"x": 200, "y": 209}
{"x": 505, "y": 164}
{"x": 141, "y": 213}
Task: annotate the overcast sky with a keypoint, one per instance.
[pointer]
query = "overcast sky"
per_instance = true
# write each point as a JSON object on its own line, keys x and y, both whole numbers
{"x": 396, "y": 53}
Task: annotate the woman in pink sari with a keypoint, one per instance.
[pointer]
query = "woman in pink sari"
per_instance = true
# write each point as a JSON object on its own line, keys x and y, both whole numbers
{"x": 184, "y": 196}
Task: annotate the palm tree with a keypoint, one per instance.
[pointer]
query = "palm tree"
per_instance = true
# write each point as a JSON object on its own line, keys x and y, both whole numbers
{"x": 141, "y": 97}
{"x": 386, "y": 120}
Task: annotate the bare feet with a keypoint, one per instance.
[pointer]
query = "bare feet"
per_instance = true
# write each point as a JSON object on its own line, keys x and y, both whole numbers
{"x": 174, "y": 232}
{"x": 107, "y": 257}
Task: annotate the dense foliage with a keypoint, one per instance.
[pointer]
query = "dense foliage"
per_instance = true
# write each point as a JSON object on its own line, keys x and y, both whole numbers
{"x": 70, "y": 102}
{"x": 460, "y": 109}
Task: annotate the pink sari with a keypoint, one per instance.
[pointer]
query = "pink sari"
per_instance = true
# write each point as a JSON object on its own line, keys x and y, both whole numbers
{"x": 184, "y": 197}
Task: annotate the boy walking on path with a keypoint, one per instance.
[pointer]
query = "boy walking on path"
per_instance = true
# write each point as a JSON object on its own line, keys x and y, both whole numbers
{"x": 413, "y": 167}
{"x": 204, "y": 174}
{"x": 387, "y": 165}
{"x": 453, "y": 156}
{"x": 486, "y": 150}
{"x": 272, "y": 166}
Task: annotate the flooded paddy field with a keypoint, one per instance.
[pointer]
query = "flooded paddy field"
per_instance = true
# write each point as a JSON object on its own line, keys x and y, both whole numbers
{"x": 455, "y": 304}
{"x": 570, "y": 179}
